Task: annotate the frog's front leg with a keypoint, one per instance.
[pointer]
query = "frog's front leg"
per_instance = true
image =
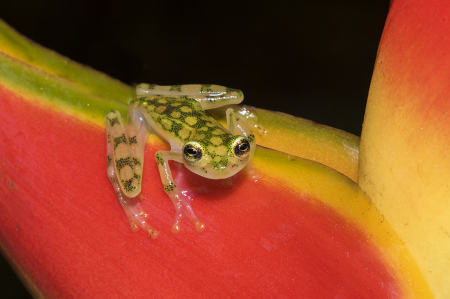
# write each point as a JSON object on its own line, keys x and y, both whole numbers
{"x": 181, "y": 203}
{"x": 236, "y": 124}
{"x": 124, "y": 169}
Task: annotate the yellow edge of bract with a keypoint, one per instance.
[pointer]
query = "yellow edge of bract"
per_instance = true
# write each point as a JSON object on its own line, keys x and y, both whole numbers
{"x": 312, "y": 148}
{"x": 305, "y": 139}
{"x": 344, "y": 196}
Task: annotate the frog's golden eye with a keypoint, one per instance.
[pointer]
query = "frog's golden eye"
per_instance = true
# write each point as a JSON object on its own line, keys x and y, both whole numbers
{"x": 192, "y": 151}
{"x": 241, "y": 147}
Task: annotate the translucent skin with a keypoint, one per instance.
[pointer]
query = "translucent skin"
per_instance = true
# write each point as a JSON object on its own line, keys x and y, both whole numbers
{"x": 176, "y": 113}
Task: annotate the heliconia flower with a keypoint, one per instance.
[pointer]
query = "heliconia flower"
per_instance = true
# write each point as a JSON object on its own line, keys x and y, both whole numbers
{"x": 405, "y": 142}
{"x": 301, "y": 230}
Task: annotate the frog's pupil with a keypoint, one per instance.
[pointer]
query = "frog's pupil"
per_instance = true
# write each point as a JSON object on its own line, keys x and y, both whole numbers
{"x": 192, "y": 151}
{"x": 243, "y": 147}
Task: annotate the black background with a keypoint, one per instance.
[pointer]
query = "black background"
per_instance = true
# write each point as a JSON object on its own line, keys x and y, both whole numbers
{"x": 313, "y": 59}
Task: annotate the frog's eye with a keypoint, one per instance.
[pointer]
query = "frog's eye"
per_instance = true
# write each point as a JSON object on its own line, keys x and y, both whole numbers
{"x": 192, "y": 151}
{"x": 241, "y": 147}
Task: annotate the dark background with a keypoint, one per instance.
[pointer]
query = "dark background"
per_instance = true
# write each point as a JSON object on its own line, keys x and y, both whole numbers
{"x": 309, "y": 58}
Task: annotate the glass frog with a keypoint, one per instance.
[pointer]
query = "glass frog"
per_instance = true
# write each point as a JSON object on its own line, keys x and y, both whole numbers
{"x": 177, "y": 114}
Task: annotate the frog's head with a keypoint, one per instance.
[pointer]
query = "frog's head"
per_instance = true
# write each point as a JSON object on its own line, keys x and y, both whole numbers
{"x": 218, "y": 162}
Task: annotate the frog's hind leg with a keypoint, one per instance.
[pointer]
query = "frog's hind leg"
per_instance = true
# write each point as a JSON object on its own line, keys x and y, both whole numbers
{"x": 208, "y": 95}
{"x": 122, "y": 163}
{"x": 181, "y": 203}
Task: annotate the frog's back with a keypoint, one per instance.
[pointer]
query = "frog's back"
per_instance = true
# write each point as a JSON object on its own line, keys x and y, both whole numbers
{"x": 179, "y": 119}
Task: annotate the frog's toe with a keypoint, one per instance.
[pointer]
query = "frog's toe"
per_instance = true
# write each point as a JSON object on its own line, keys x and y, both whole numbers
{"x": 199, "y": 226}
{"x": 175, "y": 229}
{"x": 153, "y": 234}
{"x": 137, "y": 215}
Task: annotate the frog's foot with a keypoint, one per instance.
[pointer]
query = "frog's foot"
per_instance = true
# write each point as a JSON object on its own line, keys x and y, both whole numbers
{"x": 136, "y": 214}
{"x": 183, "y": 207}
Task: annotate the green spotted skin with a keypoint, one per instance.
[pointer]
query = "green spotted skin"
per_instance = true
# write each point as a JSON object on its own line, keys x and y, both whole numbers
{"x": 180, "y": 119}
{"x": 123, "y": 163}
